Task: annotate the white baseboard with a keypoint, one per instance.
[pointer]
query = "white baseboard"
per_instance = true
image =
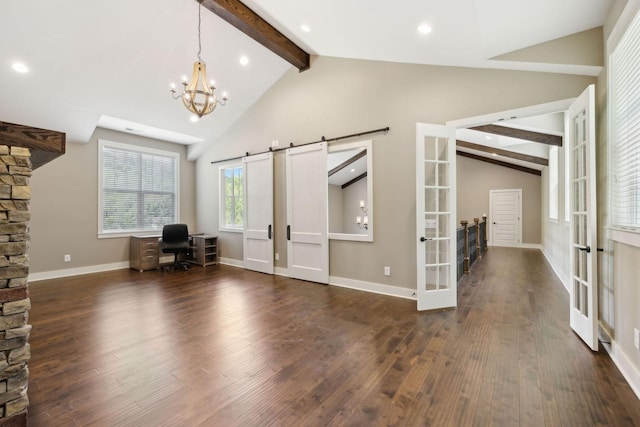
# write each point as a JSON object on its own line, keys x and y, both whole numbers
{"x": 555, "y": 270}
{"x": 375, "y": 288}
{"x": 530, "y": 246}
{"x": 625, "y": 366}
{"x": 232, "y": 262}
{"x": 55, "y": 274}
{"x": 281, "y": 271}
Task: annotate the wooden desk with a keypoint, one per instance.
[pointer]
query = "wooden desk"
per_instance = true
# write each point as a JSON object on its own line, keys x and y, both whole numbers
{"x": 204, "y": 250}
{"x": 144, "y": 251}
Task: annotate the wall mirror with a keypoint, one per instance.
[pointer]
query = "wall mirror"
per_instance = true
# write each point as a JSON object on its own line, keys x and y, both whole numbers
{"x": 350, "y": 204}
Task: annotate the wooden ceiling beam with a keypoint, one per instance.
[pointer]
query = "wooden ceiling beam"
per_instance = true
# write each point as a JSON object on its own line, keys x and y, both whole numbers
{"x": 347, "y": 162}
{"x": 543, "y": 138}
{"x": 250, "y": 23}
{"x": 499, "y": 163}
{"x": 45, "y": 145}
{"x": 505, "y": 153}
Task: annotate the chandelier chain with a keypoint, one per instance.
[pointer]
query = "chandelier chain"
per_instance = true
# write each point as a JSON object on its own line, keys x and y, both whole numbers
{"x": 199, "y": 38}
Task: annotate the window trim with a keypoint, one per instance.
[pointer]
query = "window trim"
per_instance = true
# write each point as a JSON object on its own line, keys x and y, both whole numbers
{"x": 222, "y": 226}
{"x": 102, "y": 144}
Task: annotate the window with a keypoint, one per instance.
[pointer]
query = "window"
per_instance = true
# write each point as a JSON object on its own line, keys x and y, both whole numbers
{"x": 624, "y": 92}
{"x": 138, "y": 189}
{"x": 553, "y": 182}
{"x": 231, "y": 198}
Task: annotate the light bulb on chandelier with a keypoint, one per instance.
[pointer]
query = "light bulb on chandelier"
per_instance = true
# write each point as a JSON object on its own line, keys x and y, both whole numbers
{"x": 198, "y": 95}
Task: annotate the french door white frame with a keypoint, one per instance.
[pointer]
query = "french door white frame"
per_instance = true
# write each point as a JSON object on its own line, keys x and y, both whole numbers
{"x": 436, "y": 216}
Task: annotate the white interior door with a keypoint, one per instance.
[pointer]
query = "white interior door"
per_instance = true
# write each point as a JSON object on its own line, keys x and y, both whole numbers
{"x": 583, "y": 232}
{"x": 307, "y": 192}
{"x": 505, "y": 207}
{"x": 436, "y": 210}
{"x": 258, "y": 213}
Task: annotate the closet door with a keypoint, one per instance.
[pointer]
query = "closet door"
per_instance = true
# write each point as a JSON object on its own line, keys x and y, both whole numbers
{"x": 307, "y": 188}
{"x": 258, "y": 213}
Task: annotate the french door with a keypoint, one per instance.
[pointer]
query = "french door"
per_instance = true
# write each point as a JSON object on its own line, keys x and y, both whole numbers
{"x": 258, "y": 213}
{"x": 436, "y": 207}
{"x": 307, "y": 191}
{"x": 583, "y": 232}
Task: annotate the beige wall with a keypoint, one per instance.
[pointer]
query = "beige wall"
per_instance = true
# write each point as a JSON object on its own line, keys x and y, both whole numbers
{"x": 65, "y": 206}
{"x": 341, "y": 96}
{"x": 476, "y": 178}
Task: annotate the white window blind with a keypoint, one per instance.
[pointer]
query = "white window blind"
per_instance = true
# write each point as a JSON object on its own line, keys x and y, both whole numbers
{"x": 624, "y": 101}
{"x": 231, "y": 198}
{"x": 139, "y": 188}
{"x": 553, "y": 182}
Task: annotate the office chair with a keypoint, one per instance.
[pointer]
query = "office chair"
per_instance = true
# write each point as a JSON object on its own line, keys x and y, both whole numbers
{"x": 175, "y": 240}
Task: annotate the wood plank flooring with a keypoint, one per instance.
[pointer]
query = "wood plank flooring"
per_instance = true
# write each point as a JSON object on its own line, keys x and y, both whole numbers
{"x": 221, "y": 346}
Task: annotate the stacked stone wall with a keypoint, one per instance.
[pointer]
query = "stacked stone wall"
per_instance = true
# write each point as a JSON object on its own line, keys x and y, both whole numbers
{"x": 15, "y": 194}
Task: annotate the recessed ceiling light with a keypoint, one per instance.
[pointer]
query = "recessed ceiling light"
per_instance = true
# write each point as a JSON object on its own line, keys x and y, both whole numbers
{"x": 194, "y": 118}
{"x": 494, "y": 154}
{"x": 19, "y": 67}
{"x": 244, "y": 60}
{"x": 352, "y": 170}
{"x": 424, "y": 29}
{"x": 305, "y": 28}
{"x": 488, "y": 137}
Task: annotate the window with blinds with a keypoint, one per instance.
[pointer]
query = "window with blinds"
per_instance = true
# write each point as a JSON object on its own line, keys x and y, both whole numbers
{"x": 138, "y": 188}
{"x": 231, "y": 198}
{"x": 624, "y": 101}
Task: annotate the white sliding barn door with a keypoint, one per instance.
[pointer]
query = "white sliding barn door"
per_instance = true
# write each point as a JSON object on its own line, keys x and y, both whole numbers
{"x": 258, "y": 213}
{"x": 583, "y": 259}
{"x": 435, "y": 215}
{"x": 307, "y": 191}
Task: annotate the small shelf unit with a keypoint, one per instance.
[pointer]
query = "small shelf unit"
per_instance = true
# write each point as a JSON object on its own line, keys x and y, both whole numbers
{"x": 204, "y": 250}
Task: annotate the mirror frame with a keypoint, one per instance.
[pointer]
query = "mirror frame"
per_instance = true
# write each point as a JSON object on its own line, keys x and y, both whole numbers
{"x": 368, "y": 145}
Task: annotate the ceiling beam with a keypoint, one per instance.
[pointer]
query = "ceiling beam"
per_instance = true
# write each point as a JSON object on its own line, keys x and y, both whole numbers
{"x": 499, "y": 163}
{"x": 354, "y": 180}
{"x": 347, "y": 162}
{"x": 543, "y": 138}
{"x": 45, "y": 145}
{"x": 505, "y": 153}
{"x": 250, "y": 23}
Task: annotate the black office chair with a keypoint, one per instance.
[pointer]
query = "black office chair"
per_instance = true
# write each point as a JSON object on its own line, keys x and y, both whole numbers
{"x": 175, "y": 240}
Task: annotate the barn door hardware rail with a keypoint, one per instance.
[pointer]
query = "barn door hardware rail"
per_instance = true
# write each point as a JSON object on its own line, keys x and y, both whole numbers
{"x": 291, "y": 145}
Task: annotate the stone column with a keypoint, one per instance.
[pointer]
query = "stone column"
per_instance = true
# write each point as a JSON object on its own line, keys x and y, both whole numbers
{"x": 15, "y": 193}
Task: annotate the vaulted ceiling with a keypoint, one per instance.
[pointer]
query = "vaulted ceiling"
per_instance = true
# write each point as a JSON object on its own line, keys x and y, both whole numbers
{"x": 110, "y": 63}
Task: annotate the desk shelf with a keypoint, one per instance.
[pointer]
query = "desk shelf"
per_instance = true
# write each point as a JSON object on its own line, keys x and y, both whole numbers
{"x": 204, "y": 250}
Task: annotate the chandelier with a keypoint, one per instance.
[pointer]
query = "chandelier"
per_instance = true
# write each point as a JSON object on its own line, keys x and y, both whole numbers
{"x": 198, "y": 94}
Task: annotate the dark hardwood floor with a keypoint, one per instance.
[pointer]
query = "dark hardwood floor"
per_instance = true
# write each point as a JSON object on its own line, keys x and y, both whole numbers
{"x": 220, "y": 346}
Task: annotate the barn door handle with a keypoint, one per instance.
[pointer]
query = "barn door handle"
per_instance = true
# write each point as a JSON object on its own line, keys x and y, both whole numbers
{"x": 269, "y": 232}
{"x": 587, "y": 249}
{"x": 288, "y": 232}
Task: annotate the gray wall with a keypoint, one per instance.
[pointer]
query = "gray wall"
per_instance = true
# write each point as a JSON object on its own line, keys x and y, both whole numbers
{"x": 64, "y": 218}
{"x": 341, "y": 96}
{"x": 477, "y": 178}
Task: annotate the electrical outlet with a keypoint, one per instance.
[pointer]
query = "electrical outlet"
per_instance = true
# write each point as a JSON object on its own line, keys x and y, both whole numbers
{"x": 67, "y": 258}
{"x": 387, "y": 271}
{"x": 277, "y": 256}
{"x": 636, "y": 338}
